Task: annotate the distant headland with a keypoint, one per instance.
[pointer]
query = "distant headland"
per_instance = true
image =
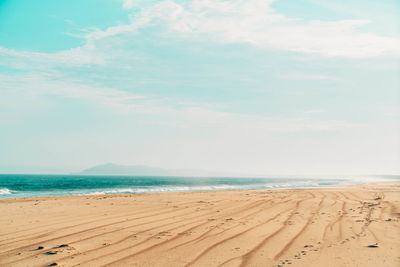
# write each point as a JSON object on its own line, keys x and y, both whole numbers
{"x": 143, "y": 170}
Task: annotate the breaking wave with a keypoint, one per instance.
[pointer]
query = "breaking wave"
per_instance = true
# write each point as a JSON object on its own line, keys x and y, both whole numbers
{"x": 223, "y": 187}
{"x": 5, "y": 191}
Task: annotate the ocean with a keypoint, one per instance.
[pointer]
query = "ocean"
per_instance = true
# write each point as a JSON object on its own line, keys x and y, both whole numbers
{"x": 23, "y": 185}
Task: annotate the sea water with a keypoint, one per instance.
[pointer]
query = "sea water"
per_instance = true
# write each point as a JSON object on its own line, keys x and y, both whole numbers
{"x": 18, "y": 185}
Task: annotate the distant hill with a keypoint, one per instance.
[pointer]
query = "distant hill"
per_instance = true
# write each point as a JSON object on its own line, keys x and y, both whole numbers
{"x": 143, "y": 170}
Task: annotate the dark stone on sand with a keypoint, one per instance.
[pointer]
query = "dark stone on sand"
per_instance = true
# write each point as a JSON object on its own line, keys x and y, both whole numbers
{"x": 62, "y": 246}
{"x": 373, "y": 246}
{"x": 53, "y": 264}
{"x": 39, "y": 248}
{"x": 50, "y": 252}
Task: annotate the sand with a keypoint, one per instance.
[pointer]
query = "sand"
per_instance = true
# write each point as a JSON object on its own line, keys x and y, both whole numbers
{"x": 351, "y": 226}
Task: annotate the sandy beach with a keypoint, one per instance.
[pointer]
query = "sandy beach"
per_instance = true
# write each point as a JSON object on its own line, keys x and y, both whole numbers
{"x": 351, "y": 226}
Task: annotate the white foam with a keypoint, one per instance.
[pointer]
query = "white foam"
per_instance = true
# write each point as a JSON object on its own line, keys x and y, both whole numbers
{"x": 114, "y": 191}
{"x": 5, "y": 191}
{"x": 220, "y": 187}
{"x": 159, "y": 189}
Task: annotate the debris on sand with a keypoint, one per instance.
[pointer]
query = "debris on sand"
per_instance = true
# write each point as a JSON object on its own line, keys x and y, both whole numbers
{"x": 62, "y": 246}
{"x": 50, "y": 252}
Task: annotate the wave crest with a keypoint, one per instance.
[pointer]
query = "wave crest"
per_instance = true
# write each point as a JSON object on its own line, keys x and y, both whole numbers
{"x": 5, "y": 191}
{"x": 221, "y": 187}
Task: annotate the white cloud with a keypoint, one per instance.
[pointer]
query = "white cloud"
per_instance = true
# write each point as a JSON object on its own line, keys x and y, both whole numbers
{"x": 180, "y": 115}
{"x": 235, "y": 122}
{"x": 128, "y": 4}
{"x": 84, "y": 55}
{"x": 40, "y": 84}
{"x": 237, "y": 21}
{"x": 252, "y": 21}
{"x": 257, "y": 23}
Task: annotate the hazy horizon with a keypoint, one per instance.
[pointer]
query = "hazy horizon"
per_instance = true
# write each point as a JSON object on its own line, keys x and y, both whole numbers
{"x": 200, "y": 173}
{"x": 259, "y": 87}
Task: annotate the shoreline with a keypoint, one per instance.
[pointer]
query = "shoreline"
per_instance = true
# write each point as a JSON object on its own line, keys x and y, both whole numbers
{"x": 332, "y": 226}
{"x": 193, "y": 191}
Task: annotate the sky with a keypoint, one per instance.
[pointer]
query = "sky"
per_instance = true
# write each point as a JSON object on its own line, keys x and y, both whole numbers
{"x": 250, "y": 86}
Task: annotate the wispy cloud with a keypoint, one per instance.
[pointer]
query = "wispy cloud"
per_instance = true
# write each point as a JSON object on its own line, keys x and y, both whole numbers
{"x": 81, "y": 56}
{"x": 49, "y": 84}
{"x": 313, "y": 111}
{"x": 251, "y": 21}
{"x": 127, "y": 4}
{"x": 305, "y": 76}
{"x": 181, "y": 115}
{"x": 390, "y": 111}
{"x": 257, "y": 23}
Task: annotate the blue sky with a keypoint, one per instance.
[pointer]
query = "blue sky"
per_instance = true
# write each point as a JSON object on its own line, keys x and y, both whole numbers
{"x": 255, "y": 86}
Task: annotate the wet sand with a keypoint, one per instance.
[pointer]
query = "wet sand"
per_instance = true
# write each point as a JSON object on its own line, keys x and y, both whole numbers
{"x": 351, "y": 226}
